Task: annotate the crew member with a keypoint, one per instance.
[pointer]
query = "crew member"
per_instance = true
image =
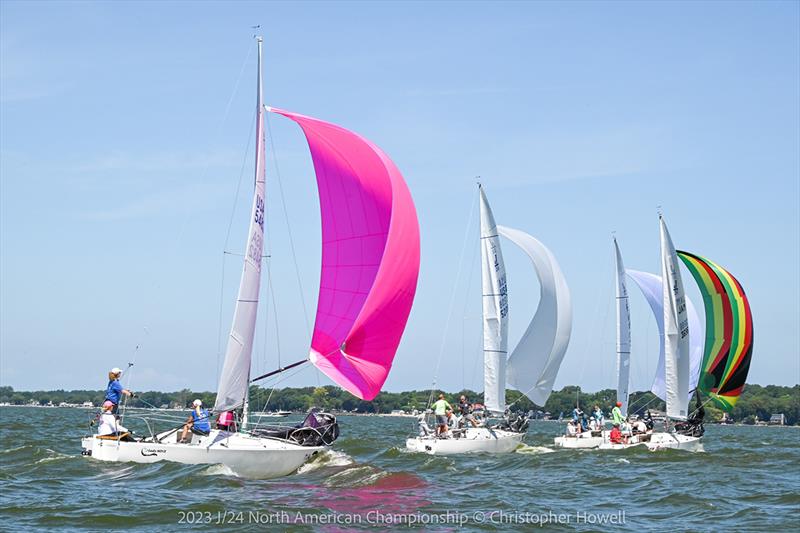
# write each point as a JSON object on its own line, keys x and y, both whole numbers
{"x": 197, "y": 422}
{"x": 114, "y": 390}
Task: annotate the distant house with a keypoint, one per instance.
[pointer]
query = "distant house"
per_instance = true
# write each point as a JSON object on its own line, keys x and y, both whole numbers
{"x": 777, "y": 420}
{"x": 87, "y": 404}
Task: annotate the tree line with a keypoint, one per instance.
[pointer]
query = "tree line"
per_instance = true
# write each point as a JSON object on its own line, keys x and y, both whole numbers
{"x": 756, "y": 402}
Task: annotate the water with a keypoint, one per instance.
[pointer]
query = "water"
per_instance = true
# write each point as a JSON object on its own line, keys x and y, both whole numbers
{"x": 747, "y": 480}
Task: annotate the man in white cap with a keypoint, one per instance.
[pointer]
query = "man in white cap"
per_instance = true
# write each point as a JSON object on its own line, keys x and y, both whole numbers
{"x": 114, "y": 391}
{"x": 198, "y": 422}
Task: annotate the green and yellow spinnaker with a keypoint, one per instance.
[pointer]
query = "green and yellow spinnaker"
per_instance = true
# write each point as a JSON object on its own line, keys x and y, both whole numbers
{"x": 729, "y": 331}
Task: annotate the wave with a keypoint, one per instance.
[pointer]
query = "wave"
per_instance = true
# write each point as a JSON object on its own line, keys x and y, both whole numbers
{"x": 326, "y": 459}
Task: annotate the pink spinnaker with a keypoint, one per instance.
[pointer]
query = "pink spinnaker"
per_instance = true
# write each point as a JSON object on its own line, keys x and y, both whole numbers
{"x": 370, "y": 257}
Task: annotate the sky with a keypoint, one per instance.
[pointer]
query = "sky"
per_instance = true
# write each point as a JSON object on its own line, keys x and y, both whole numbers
{"x": 126, "y": 168}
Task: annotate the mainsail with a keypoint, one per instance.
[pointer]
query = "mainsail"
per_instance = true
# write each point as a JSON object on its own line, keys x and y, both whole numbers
{"x": 370, "y": 257}
{"x": 235, "y": 378}
{"x": 623, "y": 333}
{"x": 729, "y": 330}
{"x": 534, "y": 363}
{"x": 495, "y": 311}
{"x": 652, "y": 289}
{"x": 676, "y": 330}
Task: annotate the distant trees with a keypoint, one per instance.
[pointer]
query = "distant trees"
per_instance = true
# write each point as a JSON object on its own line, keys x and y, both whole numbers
{"x": 755, "y": 402}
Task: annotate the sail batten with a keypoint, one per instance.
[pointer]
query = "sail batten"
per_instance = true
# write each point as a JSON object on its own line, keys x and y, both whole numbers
{"x": 534, "y": 363}
{"x": 370, "y": 257}
{"x": 495, "y": 311}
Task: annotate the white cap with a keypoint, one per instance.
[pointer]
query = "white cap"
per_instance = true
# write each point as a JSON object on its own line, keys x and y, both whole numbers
{"x": 116, "y": 370}
{"x": 197, "y": 403}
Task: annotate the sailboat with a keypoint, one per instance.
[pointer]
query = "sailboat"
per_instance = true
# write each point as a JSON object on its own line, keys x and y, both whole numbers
{"x": 533, "y": 365}
{"x": 593, "y": 439}
{"x": 370, "y": 265}
{"x": 722, "y": 369}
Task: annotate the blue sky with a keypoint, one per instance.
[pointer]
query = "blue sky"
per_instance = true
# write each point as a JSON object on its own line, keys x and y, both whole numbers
{"x": 124, "y": 131}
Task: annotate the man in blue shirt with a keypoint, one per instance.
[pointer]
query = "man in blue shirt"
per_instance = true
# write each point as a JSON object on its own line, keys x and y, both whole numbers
{"x": 114, "y": 390}
{"x": 197, "y": 423}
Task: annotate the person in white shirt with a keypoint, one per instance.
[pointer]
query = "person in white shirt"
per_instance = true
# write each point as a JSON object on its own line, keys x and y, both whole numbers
{"x": 108, "y": 422}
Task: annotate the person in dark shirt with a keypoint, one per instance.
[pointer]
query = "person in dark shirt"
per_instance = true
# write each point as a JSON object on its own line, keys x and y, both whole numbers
{"x": 465, "y": 410}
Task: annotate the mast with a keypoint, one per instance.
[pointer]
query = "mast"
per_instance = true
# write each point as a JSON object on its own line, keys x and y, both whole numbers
{"x": 234, "y": 382}
{"x": 623, "y": 333}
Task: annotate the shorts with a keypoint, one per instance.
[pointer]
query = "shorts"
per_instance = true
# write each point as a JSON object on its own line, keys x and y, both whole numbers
{"x": 441, "y": 420}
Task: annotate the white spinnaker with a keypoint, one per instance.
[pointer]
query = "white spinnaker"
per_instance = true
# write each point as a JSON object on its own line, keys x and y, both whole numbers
{"x": 623, "y": 334}
{"x": 495, "y": 312}
{"x": 650, "y": 285}
{"x": 676, "y": 330}
{"x": 235, "y": 378}
{"x": 534, "y": 363}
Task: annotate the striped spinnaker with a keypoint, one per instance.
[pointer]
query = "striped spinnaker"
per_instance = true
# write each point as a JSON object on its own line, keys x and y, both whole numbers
{"x": 729, "y": 331}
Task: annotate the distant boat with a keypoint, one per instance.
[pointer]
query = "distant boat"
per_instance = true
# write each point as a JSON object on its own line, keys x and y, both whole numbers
{"x": 370, "y": 264}
{"x": 533, "y": 364}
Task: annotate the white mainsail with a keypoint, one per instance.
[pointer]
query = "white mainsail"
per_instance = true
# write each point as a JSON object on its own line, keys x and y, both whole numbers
{"x": 235, "y": 378}
{"x": 623, "y": 334}
{"x": 495, "y": 312}
{"x": 652, "y": 289}
{"x": 534, "y": 363}
{"x": 676, "y": 330}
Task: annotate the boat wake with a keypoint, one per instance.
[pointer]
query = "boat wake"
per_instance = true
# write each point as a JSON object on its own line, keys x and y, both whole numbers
{"x": 328, "y": 458}
{"x": 533, "y": 450}
{"x": 219, "y": 470}
{"x": 54, "y": 456}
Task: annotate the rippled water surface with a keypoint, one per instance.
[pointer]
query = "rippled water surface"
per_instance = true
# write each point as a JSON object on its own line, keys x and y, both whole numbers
{"x": 748, "y": 479}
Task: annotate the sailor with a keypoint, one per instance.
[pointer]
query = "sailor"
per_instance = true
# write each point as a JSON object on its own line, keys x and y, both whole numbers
{"x": 571, "y": 431}
{"x": 593, "y": 426}
{"x": 197, "y": 422}
{"x": 440, "y": 408}
{"x": 422, "y": 426}
{"x": 114, "y": 390}
{"x": 576, "y": 414}
{"x": 108, "y": 421}
{"x": 616, "y": 436}
{"x": 616, "y": 414}
{"x": 225, "y": 421}
{"x": 599, "y": 416}
{"x": 466, "y": 412}
{"x": 648, "y": 420}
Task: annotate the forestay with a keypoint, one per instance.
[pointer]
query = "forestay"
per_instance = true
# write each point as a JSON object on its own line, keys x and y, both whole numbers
{"x": 534, "y": 363}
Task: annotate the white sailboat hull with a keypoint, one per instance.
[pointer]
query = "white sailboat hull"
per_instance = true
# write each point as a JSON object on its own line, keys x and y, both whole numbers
{"x": 660, "y": 441}
{"x": 577, "y": 442}
{"x": 675, "y": 441}
{"x": 473, "y": 440}
{"x": 245, "y": 455}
